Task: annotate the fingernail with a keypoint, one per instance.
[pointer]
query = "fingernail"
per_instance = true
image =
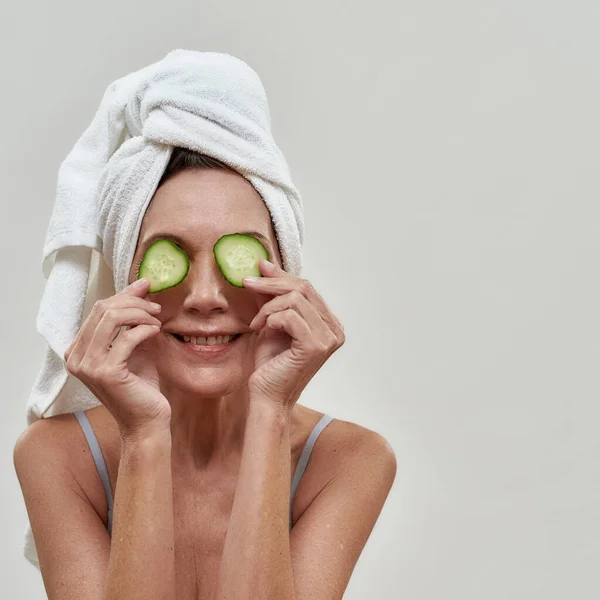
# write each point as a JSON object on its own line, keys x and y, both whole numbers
{"x": 250, "y": 279}
{"x": 267, "y": 263}
{"x": 139, "y": 283}
{"x": 156, "y": 305}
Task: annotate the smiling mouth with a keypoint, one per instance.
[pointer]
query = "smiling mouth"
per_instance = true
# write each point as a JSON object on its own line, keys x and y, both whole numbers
{"x": 220, "y": 340}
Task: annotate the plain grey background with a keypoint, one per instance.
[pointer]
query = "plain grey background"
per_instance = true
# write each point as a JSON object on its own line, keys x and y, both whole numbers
{"x": 447, "y": 153}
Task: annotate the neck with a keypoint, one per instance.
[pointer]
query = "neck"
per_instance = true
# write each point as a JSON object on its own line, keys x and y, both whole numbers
{"x": 207, "y": 432}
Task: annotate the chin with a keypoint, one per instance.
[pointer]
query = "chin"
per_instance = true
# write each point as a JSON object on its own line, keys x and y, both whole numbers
{"x": 203, "y": 376}
{"x": 205, "y": 382}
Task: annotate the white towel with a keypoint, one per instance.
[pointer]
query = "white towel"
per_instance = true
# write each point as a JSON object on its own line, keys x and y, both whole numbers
{"x": 205, "y": 101}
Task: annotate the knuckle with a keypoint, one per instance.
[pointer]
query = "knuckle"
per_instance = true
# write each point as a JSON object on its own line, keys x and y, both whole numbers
{"x": 322, "y": 347}
{"x": 127, "y": 335}
{"x": 96, "y": 372}
{"x": 327, "y": 344}
{"x": 110, "y": 314}
{"x": 86, "y": 370}
{"x": 305, "y": 286}
{"x": 72, "y": 368}
{"x": 99, "y": 306}
{"x": 296, "y": 296}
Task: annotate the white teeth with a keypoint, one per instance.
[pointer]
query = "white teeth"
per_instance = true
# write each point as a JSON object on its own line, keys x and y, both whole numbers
{"x": 210, "y": 341}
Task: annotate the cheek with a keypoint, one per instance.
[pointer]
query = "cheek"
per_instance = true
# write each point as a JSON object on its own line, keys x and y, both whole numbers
{"x": 171, "y": 300}
{"x": 246, "y": 304}
{"x": 168, "y": 308}
{"x": 260, "y": 300}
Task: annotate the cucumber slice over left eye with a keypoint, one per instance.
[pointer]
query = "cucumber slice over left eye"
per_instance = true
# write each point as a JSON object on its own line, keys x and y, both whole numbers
{"x": 237, "y": 255}
{"x": 164, "y": 265}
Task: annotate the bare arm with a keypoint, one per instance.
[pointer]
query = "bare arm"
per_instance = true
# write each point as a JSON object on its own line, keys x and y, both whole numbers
{"x": 78, "y": 560}
{"x": 330, "y": 535}
{"x": 261, "y": 559}
{"x": 138, "y": 563}
{"x": 256, "y": 561}
{"x": 297, "y": 334}
{"x": 142, "y": 556}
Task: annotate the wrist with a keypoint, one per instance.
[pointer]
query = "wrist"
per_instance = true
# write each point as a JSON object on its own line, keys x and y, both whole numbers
{"x": 274, "y": 409}
{"x": 145, "y": 436}
{"x": 151, "y": 450}
{"x": 154, "y": 423}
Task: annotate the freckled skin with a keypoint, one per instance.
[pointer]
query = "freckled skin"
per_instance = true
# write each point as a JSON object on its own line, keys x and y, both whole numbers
{"x": 201, "y": 511}
{"x": 200, "y": 206}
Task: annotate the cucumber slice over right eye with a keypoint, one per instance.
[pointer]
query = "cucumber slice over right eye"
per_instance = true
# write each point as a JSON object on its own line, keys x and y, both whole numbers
{"x": 238, "y": 255}
{"x": 164, "y": 265}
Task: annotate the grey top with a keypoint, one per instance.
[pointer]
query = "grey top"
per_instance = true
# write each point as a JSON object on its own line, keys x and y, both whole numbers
{"x": 103, "y": 471}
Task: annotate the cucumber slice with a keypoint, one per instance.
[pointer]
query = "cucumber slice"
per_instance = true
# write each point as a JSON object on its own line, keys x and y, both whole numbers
{"x": 164, "y": 265}
{"x": 237, "y": 255}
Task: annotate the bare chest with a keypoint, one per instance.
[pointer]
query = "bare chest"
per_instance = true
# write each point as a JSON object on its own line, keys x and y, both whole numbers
{"x": 201, "y": 518}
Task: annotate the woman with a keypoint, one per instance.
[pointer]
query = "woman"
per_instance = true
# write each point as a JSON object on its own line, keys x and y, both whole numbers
{"x": 200, "y": 440}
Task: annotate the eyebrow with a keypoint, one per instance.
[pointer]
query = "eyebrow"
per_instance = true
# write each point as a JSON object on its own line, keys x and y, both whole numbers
{"x": 182, "y": 242}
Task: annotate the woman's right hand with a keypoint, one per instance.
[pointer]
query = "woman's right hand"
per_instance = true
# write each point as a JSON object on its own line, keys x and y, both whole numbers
{"x": 103, "y": 364}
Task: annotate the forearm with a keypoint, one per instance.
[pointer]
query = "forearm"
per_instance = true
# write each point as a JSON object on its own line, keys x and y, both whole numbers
{"x": 142, "y": 556}
{"x": 256, "y": 560}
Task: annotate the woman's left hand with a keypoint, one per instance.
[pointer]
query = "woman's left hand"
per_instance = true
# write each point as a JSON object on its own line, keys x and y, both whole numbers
{"x": 297, "y": 333}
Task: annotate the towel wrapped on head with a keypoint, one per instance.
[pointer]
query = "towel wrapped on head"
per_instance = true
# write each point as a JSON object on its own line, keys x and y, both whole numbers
{"x": 208, "y": 102}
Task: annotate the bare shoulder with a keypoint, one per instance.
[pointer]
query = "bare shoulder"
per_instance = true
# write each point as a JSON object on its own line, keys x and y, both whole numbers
{"x": 52, "y": 465}
{"x": 51, "y": 438}
{"x": 55, "y": 447}
{"x": 61, "y": 435}
{"x": 345, "y": 448}
{"x": 348, "y": 479}
{"x": 344, "y": 440}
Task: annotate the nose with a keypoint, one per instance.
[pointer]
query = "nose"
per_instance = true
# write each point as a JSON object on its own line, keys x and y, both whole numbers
{"x": 205, "y": 287}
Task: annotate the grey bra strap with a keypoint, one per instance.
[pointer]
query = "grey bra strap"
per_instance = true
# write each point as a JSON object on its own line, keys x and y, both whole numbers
{"x": 98, "y": 459}
{"x": 103, "y": 471}
{"x": 305, "y": 456}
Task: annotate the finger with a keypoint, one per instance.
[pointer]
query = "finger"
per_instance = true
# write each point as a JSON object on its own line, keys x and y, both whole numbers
{"x": 269, "y": 269}
{"x": 76, "y": 351}
{"x": 277, "y": 286}
{"x": 128, "y": 341}
{"x": 137, "y": 288}
{"x": 296, "y": 301}
{"x": 109, "y": 326}
{"x": 274, "y": 286}
{"x": 128, "y": 301}
{"x": 292, "y": 323}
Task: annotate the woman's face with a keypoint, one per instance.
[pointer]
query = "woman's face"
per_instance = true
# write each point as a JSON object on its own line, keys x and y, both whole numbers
{"x": 193, "y": 209}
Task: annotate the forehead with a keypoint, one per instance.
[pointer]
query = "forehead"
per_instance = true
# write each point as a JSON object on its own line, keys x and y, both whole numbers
{"x": 208, "y": 201}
